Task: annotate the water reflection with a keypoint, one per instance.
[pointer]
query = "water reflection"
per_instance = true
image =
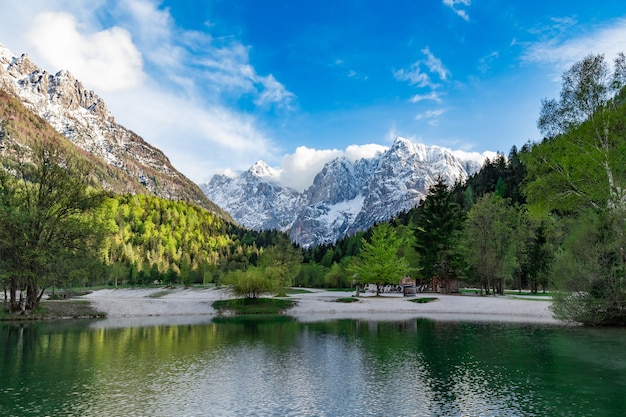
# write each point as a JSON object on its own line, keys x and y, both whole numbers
{"x": 282, "y": 367}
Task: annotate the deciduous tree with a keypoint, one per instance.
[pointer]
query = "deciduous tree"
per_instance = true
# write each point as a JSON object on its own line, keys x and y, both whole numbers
{"x": 378, "y": 261}
{"x": 48, "y": 224}
{"x": 489, "y": 237}
{"x": 579, "y": 171}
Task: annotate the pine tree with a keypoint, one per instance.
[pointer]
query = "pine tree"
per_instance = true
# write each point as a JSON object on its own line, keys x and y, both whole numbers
{"x": 438, "y": 228}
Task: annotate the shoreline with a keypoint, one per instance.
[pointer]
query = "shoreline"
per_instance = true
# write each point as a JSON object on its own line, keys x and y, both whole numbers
{"x": 322, "y": 305}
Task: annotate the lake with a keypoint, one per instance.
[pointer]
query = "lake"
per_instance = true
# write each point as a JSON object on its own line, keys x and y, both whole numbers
{"x": 282, "y": 367}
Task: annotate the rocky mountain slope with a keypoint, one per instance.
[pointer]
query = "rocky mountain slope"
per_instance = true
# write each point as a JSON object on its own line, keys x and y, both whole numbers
{"x": 131, "y": 165}
{"x": 345, "y": 197}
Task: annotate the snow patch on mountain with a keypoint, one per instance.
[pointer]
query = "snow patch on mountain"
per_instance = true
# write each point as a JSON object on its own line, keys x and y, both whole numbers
{"x": 346, "y": 196}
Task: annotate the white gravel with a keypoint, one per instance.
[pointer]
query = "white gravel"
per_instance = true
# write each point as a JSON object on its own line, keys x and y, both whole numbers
{"x": 319, "y": 305}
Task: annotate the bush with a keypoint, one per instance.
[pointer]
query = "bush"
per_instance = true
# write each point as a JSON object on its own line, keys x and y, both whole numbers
{"x": 249, "y": 283}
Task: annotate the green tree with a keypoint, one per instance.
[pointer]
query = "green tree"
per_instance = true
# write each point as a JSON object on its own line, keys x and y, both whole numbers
{"x": 438, "y": 228}
{"x": 336, "y": 277}
{"x": 580, "y": 164}
{"x": 49, "y": 223}
{"x": 579, "y": 172}
{"x": 590, "y": 269}
{"x": 311, "y": 275}
{"x": 282, "y": 263}
{"x": 488, "y": 237}
{"x": 540, "y": 254}
{"x": 378, "y": 261}
{"x": 250, "y": 283}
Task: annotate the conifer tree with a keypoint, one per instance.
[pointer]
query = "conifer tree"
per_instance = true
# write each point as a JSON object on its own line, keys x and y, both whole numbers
{"x": 438, "y": 228}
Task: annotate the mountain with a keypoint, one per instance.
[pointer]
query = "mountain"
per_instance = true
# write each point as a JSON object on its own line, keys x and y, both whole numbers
{"x": 345, "y": 197}
{"x": 124, "y": 161}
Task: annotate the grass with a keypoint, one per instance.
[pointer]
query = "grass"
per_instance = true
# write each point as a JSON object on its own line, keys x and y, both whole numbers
{"x": 423, "y": 300}
{"x": 57, "y": 310}
{"x": 248, "y": 306}
{"x": 298, "y": 291}
{"x": 347, "y": 300}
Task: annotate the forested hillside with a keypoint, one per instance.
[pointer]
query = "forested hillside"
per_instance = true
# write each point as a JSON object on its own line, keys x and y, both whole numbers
{"x": 157, "y": 240}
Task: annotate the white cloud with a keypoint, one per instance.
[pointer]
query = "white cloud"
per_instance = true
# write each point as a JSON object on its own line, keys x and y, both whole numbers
{"x": 430, "y": 114}
{"x": 434, "y": 96}
{"x": 299, "y": 169}
{"x": 484, "y": 63}
{"x": 199, "y": 140}
{"x": 460, "y": 12}
{"x": 416, "y": 76}
{"x": 174, "y": 87}
{"x": 370, "y": 150}
{"x": 474, "y": 156}
{"x": 273, "y": 92}
{"x": 562, "y": 52}
{"x": 104, "y": 60}
{"x": 435, "y": 65}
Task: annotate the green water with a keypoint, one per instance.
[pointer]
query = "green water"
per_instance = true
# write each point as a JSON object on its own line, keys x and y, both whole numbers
{"x": 282, "y": 367}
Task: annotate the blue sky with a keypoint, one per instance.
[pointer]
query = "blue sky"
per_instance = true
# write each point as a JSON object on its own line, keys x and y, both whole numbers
{"x": 220, "y": 84}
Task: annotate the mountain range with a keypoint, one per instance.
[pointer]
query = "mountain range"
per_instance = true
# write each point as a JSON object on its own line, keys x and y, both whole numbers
{"x": 123, "y": 162}
{"x": 346, "y": 196}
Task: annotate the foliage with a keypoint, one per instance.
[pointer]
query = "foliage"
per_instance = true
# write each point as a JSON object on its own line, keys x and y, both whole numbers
{"x": 438, "y": 227}
{"x": 336, "y": 277}
{"x": 578, "y": 172}
{"x": 311, "y": 274}
{"x": 347, "y": 300}
{"x": 378, "y": 262}
{"x": 488, "y": 241}
{"x": 590, "y": 270}
{"x": 250, "y": 283}
{"x": 580, "y": 164}
{"x": 281, "y": 263}
{"x": 502, "y": 176}
{"x": 173, "y": 242}
{"x": 49, "y": 227}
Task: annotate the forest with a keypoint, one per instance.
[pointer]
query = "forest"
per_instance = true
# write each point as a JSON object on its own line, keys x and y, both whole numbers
{"x": 550, "y": 215}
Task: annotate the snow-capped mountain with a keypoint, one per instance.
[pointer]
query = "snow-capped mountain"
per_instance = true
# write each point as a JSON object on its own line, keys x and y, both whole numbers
{"x": 345, "y": 197}
{"x": 82, "y": 117}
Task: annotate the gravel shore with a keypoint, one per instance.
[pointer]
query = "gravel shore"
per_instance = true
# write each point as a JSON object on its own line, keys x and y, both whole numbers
{"x": 319, "y": 305}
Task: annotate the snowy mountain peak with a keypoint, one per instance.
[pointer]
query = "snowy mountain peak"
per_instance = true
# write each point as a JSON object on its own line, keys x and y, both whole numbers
{"x": 262, "y": 170}
{"x": 6, "y": 56}
{"x": 345, "y": 197}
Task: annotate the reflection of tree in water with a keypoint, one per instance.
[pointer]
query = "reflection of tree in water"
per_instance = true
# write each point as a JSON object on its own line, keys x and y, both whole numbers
{"x": 405, "y": 367}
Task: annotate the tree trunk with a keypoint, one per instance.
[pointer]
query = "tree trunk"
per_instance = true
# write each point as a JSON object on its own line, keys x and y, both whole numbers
{"x": 14, "y": 304}
{"x": 32, "y": 296}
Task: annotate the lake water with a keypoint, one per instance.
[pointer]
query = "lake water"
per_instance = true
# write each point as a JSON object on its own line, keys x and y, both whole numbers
{"x": 281, "y": 367}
